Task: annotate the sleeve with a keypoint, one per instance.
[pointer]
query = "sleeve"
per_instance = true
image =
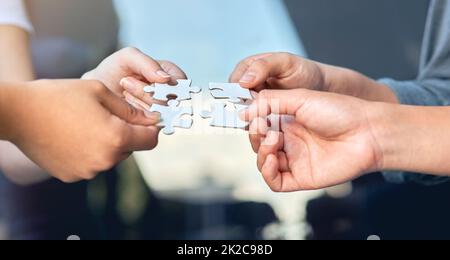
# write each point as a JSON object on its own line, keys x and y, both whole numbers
{"x": 13, "y": 12}
{"x": 432, "y": 86}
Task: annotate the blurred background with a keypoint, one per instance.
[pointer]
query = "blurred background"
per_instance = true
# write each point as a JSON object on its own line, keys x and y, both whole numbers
{"x": 203, "y": 183}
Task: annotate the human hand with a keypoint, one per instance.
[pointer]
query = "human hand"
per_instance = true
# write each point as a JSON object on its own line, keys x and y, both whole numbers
{"x": 127, "y": 71}
{"x": 76, "y": 128}
{"x": 325, "y": 139}
{"x": 288, "y": 71}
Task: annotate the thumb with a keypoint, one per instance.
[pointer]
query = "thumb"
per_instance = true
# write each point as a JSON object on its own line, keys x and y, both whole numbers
{"x": 262, "y": 69}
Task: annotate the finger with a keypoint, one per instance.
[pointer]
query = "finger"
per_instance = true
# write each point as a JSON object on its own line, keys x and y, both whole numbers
{"x": 272, "y": 144}
{"x": 242, "y": 66}
{"x": 141, "y": 138}
{"x": 173, "y": 70}
{"x": 263, "y": 69}
{"x": 271, "y": 173}
{"x": 284, "y": 162}
{"x": 278, "y": 102}
{"x": 136, "y": 89}
{"x": 120, "y": 108}
{"x": 278, "y": 181}
{"x": 257, "y": 132}
{"x": 140, "y": 64}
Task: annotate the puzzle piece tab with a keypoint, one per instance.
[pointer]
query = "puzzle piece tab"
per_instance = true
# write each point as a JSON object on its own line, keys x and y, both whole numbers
{"x": 232, "y": 91}
{"x": 222, "y": 117}
{"x": 171, "y": 116}
{"x": 180, "y": 92}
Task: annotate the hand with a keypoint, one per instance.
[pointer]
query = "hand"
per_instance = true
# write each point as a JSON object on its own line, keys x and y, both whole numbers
{"x": 130, "y": 64}
{"x": 288, "y": 71}
{"x": 75, "y": 129}
{"x": 325, "y": 139}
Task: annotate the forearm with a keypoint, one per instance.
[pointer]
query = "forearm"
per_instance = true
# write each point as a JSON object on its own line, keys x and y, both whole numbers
{"x": 348, "y": 82}
{"x": 412, "y": 139}
{"x": 9, "y": 97}
{"x": 16, "y": 66}
{"x": 16, "y": 62}
{"x": 13, "y": 163}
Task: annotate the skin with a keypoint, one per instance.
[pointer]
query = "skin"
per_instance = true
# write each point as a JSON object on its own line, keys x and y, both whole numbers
{"x": 73, "y": 129}
{"x": 16, "y": 66}
{"x": 328, "y": 139}
{"x": 320, "y": 136}
{"x": 288, "y": 71}
{"x": 129, "y": 62}
{"x": 336, "y": 125}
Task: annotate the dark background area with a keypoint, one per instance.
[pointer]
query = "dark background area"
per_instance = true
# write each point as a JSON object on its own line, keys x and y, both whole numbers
{"x": 380, "y": 38}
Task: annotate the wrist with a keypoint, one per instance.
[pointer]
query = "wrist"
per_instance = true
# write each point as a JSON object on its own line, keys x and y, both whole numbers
{"x": 396, "y": 130}
{"x": 351, "y": 83}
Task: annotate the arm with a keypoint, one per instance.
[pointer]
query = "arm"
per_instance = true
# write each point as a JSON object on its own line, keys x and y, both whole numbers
{"x": 412, "y": 139}
{"x": 7, "y": 96}
{"x": 16, "y": 65}
{"x": 329, "y": 139}
{"x": 87, "y": 129}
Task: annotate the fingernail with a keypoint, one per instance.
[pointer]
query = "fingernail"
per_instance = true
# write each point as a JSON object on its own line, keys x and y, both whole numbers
{"x": 163, "y": 74}
{"x": 248, "y": 77}
{"x": 153, "y": 115}
{"x": 128, "y": 85}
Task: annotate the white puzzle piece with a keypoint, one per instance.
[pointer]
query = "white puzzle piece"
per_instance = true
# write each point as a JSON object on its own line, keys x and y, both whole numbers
{"x": 171, "y": 116}
{"x": 180, "y": 92}
{"x": 222, "y": 117}
{"x": 232, "y": 91}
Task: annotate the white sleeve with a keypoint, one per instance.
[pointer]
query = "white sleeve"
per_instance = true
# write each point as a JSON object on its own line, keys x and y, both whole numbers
{"x": 13, "y": 12}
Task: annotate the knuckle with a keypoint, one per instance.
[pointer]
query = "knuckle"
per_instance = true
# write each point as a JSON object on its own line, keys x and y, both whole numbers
{"x": 131, "y": 116}
{"x": 130, "y": 50}
{"x": 286, "y": 55}
{"x": 67, "y": 179}
{"x": 103, "y": 163}
{"x": 264, "y": 94}
{"x": 97, "y": 87}
{"x": 275, "y": 188}
{"x": 118, "y": 138}
{"x": 89, "y": 175}
{"x": 261, "y": 64}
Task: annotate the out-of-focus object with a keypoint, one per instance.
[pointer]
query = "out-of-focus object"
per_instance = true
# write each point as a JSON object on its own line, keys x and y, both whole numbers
{"x": 172, "y": 116}
{"x": 71, "y": 37}
{"x": 207, "y": 39}
{"x": 180, "y": 92}
{"x": 222, "y": 116}
{"x": 13, "y": 12}
{"x": 231, "y": 91}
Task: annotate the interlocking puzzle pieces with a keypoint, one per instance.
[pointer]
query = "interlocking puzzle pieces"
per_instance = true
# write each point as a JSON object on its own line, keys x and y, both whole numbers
{"x": 180, "y": 92}
{"x": 222, "y": 115}
{"x": 232, "y": 91}
{"x": 172, "y": 116}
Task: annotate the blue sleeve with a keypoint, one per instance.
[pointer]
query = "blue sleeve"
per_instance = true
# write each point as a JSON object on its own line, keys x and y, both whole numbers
{"x": 432, "y": 86}
{"x": 431, "y": 93}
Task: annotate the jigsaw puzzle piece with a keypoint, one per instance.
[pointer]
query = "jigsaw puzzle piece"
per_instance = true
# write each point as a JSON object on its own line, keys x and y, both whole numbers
{"x": 232, "y": 91}
{"x": 222, "y": 117}
{"x": 180, "y": 92}
{"x": 172, "y": 116}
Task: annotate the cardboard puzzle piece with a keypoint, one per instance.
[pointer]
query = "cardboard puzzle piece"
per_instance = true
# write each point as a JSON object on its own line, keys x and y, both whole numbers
{"x": 180, "y": 92}
{"x": 223, "y": 117}
{"x": 232, "y": 91}
{"x": 172, "y": 116}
